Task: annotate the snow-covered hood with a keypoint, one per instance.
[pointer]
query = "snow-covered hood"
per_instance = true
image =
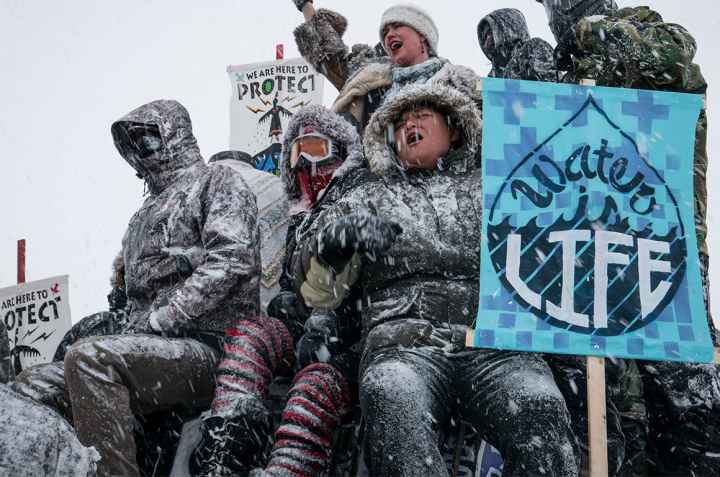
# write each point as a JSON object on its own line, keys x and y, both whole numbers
{"x": 509, "y": 28}
{"x": 464, "y": 115}
{"x": 328, "y": 123}
{"x": 180, "y": 150}
{"x": 564, "y": 14}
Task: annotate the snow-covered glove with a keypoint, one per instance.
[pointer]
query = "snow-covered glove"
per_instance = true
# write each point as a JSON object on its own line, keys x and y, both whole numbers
{"x": 117, "y": 299}
{"x": 362, "y": 233}
{"x": 167, "y": 321}
{"x": 301, "y": 3}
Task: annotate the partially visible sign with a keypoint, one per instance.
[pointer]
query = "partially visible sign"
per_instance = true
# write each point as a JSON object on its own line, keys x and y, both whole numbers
{"x": 37, "y": 316}
{"x": 589, "y": 242}
{"x": 264, "y": 98}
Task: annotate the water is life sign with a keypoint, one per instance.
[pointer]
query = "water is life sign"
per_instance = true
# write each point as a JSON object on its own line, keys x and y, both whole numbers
{"x": 588, "y": 234}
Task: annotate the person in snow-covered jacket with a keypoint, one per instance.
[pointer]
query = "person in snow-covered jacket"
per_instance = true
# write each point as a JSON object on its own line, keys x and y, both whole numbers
{"x": 634, "y": 48}
{"x": 409, "y": 42}
{"x": 273, "y": 218}
{"x": 6, "y": 366}
{"x": 409, "y": 240}
{"x": 319, "y": 146}
{"x": 192, "y": 265}
{"x": 36, "y": 441}
{"x": 504, "y": 38}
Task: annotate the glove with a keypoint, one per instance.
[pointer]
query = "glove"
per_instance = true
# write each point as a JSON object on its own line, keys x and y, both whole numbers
{"x": 301, "y": 3}
{"x": 363, "y": 233}
{"x": 289, "y": 308}
{"x": 117, "y": 299}
{"x": 166, "y": 321}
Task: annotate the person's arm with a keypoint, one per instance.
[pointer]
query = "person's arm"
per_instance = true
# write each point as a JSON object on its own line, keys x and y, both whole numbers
{"x": 637, "y": 50}
{"x": 319, "y": 40}
{"x": 232, "y": 252}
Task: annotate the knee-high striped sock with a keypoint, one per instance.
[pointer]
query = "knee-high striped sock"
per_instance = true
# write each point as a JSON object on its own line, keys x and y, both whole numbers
{"x": 255, "y": 351}
{"x": 317, "y": 402}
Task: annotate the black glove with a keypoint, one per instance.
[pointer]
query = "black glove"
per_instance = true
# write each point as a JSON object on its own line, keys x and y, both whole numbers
{"x": 301, "y": 3}
{"x": 363, "y": 233}
{"x": 117, "y": 299}
{"x": 289, "y": 308}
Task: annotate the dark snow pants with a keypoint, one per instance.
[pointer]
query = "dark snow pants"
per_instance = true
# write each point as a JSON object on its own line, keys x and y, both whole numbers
{"x": 108, "y": 379}
{"x": 683, "y": 401}
{"x": 408, "y": 394}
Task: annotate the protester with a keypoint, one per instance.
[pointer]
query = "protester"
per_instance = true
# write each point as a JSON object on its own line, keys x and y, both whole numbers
{"x": 409, "y": 238}
{"x": 6, "y": 366}
{"x": 36, "y": 441}
{"x": 192, "y": 264}
{"x": 504, "y": 38}
{"x": 273, "y": 217}
{"x": 634, "y": 48}
{"x": 319, "y": 147}
{"x": 409, "y": 38}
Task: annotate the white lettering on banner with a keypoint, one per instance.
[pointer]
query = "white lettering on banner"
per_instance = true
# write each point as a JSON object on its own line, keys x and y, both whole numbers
{"x": 649, "y": 298}
{"x": 568, "y": 239}
{"x": 566, "y": 311}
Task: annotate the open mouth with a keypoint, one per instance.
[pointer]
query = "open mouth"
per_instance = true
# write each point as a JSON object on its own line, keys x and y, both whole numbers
{"x": 414, "y": 138}
{"x": 395, "y": 45}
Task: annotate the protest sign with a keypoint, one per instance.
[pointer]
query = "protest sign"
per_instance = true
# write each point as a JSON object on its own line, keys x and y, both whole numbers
{"x": 264, "y": 97}
{"x": 37, "y": 316}
{"x": 588, "y": 235}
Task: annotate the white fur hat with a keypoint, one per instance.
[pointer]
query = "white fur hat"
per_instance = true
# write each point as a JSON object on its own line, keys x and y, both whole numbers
{"x": 414, "y": 17}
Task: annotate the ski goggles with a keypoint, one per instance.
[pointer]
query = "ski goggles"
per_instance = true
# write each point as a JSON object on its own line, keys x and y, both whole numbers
{"x": 312, "y": 149}
{"x": 144, "y": 139}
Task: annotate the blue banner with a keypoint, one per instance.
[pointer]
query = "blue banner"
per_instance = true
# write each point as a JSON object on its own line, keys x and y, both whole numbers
{"x": 588, "y": 243}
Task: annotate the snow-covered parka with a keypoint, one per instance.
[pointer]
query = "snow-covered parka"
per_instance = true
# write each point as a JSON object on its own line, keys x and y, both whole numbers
{"x": 194, "y": 243}
{"x": 514, "y": 55}
{"x": 273, "y": 220}
{"x": 424, "y": 291}
{"x": 362, "y": 75}
{"x": 35, "y": 440}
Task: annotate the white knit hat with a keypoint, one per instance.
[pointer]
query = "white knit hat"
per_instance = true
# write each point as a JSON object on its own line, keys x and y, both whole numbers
{"x": 414, "y": 17}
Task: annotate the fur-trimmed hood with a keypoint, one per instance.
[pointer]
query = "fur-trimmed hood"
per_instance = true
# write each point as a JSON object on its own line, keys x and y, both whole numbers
{"x": 465, "y": 116}
{"x": 328, "y": 123}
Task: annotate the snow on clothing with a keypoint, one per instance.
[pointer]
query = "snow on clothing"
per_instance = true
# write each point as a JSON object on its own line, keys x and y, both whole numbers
{"x": 273, "y": 220}
{"x": 236, "y": 432}
{"x": 514, "y": 55}
{"x": 361, "y": 75}
{"x": 6, "y": 365}
{"x": 634, "y": 48}
{"x": 418, "y": 302}
{"x": 193, "y": 250}
{"x": 35, "y": 441}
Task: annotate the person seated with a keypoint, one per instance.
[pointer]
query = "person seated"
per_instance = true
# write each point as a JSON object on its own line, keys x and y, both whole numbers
{"x": 320, "y": 150}
{"x": 409, "y": 240}
{"x": 633, "y": 47}
{"x": 166, "y": 354}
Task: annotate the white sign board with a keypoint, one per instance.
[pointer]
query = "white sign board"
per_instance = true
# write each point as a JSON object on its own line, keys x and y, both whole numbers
{"x": 264, "y": 97}
{"x": 37, "y": 316}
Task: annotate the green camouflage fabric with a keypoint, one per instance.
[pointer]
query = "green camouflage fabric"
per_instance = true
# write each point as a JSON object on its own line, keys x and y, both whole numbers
{"x": 634, "y": 48}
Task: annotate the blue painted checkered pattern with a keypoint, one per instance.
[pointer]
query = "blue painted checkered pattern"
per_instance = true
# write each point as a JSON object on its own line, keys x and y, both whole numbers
{"x": 518, "y": 117}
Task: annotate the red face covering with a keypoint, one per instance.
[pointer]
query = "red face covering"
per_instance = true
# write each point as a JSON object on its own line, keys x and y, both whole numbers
{"x": 313, "y": 180}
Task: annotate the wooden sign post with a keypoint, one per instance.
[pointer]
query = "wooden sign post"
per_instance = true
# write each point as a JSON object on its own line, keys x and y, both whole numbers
{"x": 21, "y": 261}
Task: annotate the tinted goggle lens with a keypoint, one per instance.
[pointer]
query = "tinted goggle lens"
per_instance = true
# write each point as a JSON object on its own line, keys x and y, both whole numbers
{"x": 313, "y": 149}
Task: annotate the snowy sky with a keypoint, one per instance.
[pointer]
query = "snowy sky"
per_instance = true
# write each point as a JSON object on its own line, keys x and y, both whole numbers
{"x": 71, "y": 68}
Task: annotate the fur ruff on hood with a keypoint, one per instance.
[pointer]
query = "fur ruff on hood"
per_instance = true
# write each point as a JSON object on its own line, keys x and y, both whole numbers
{"x": 328, "y": 123}
{"x": 464, "y": 116}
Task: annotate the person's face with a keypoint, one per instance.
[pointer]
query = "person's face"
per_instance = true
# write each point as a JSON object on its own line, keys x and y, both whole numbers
{"x": 405, "y": 46}
{"x": 422, "y": 137}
